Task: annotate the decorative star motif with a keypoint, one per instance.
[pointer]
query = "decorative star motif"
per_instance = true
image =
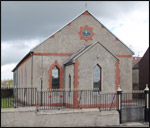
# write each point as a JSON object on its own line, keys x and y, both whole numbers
{"x": 85, "y": 30}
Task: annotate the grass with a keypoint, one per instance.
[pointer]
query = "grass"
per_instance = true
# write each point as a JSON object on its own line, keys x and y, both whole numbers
{"x": 5, "y": 103}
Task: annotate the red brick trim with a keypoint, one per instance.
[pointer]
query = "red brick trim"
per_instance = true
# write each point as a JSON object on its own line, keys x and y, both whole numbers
{"x": 52, "y": 104}
{"x": 49, "y": 96}
{"x": 50, "y": 75}
{"x": 102, "y": 26}
{"x": 76, "y": 84}
{"x": 124, "y": 56}
{"x": 69, "y": 24}
{"x": 117, "y": 82}
{"x": 126, "y": 101}
{"x": 97, "y": 105}
{"x": 24, "y": 61}
{"x": 53, "y": 36}
{"x": 116, "y": 39}
{"x": 68, "y": 105}
{"x": 52, "y": 54}
{"x": 86, "y": 13}
{"x": 82, "y": 37}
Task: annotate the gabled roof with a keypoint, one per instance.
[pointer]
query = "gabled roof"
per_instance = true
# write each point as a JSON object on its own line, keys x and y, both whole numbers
{"x": 146, "y": 55}
{"x": 28, "y": 54}
{"x": 87, "y": 11}
{"x": 135, "y": 60}
{"x": 84, "y": 49}
{"x": 70, "y": 59}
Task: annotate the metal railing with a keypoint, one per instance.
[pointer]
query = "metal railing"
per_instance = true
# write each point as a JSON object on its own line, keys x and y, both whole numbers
{"x": 76, "y": 99}
{"x": 134, "y": 98}
{"x": 12, "y": 97}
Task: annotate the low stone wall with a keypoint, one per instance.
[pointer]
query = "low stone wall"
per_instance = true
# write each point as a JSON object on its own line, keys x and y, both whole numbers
{"x": 29, "y": 117}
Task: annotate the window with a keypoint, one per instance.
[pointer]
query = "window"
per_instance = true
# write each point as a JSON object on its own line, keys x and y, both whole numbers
{"x": 97, "y": 77}
{"x": 55, "y": 78}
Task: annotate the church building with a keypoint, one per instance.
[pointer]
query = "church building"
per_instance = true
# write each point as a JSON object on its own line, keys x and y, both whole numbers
{"x": 83, "y": 54}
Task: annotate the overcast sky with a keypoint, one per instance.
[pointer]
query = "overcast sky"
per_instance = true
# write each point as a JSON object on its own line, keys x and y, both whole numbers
{"x": 27, "y": 23}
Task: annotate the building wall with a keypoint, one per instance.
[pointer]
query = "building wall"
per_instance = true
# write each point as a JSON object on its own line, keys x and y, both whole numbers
{"x": 47, "y": 62}
{"x": 67, "y": 40}
{"x": 24, "y": 73}
{"x": 125, "y": 66}
{"x": 144, "y": 71}
{"x": 135, "y": 79}
{"x": 89, "y": 60}
{"x": 69, "y": 71}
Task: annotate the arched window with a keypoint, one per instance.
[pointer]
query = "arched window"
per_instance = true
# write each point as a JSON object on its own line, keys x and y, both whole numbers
{"x": 55, "y": 78}
{"x": 97, "y": 77}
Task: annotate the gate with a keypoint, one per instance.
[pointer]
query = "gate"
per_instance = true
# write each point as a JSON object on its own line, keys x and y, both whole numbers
{"x": 133, "y": 106}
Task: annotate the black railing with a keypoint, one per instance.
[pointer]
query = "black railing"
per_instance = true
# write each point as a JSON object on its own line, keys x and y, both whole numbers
{"x": 134, "y": 98}
{"x": 133, "y": 106}
{"x": 17, "y": 97}
{"x": 76, "y": 99}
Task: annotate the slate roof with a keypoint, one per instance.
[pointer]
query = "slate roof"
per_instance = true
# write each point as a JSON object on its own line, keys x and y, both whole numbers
{"x": 135, "y": 62}
{"x": 70, "y": 59}
{"x": 86, "y": 47}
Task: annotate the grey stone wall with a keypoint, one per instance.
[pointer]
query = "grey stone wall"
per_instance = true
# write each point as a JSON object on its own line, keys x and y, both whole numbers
{"x": 69, "y": 70}
{"x": 125, "y": 65}
{"x": 28, "y": 117}
{"x": 67, "y": 40}
{"x": 37, "y": 69}
{"x": 21, "y": 77}
{"x": 97, "y": 55}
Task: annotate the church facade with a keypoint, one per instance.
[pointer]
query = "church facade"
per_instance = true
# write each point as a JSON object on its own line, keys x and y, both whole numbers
{"x": 83, "y": 54}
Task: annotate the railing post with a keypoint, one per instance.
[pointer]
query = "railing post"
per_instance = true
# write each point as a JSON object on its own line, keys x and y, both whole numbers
{"x": 119, "y": 94}
{"x": 41, "y": 92}
{"x": 146, "y": 91}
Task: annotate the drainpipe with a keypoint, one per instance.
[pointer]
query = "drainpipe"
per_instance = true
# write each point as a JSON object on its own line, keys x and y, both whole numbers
{"x": 63, "y": 84}
{"x": 31, "y": 53}
{"x": 17, "y": 79}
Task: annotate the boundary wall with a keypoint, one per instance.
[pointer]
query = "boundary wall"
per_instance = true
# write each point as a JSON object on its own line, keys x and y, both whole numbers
{"x": 30, "y": 117}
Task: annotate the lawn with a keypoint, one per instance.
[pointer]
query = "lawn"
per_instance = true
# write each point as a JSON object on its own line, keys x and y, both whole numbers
{"x": 5, "y": 103}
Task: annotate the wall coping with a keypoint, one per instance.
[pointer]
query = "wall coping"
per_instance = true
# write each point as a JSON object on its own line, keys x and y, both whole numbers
{"x": 51, "y": 112}
{"x": 20, "y": 109}
{"x": 68, "y": 111}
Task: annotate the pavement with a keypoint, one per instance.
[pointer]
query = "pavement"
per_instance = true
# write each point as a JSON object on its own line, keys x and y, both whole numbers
{"x": 132, "y": 124}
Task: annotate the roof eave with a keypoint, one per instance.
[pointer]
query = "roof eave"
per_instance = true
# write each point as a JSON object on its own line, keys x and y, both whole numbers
{"x": 29, "y": 53}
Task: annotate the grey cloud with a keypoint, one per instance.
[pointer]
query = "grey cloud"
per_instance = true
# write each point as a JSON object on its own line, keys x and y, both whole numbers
{"x": 34, "y": 20}
{"x": 27, "y": 20}
{"x": 13, "y": 53}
